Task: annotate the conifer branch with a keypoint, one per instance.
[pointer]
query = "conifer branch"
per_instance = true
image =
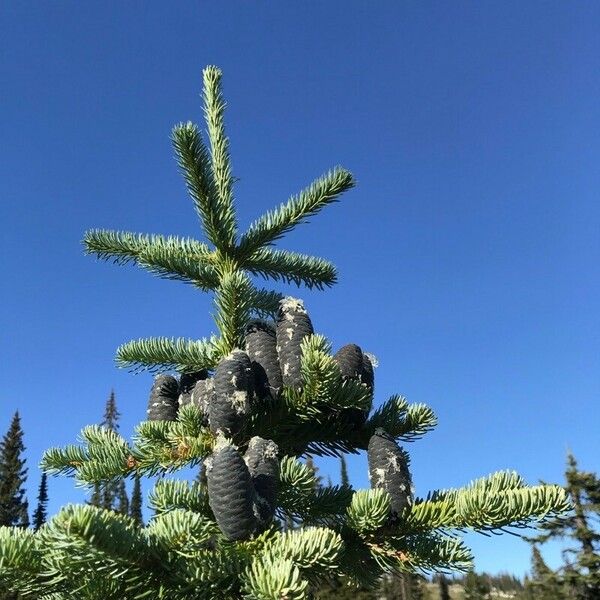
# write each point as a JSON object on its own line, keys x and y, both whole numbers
{"x": 400, "y": 419}
{"x": 234, "y": 302}
{"x": 166, "y": 446}
{"x": 124, "y": 247}
{"x": 181, "y": 530}
{"x": 291, "y": 267}
{"x": 214, "y": 110}
{"x": 194, "y": 162}
{"x": 161, "y": 354}
{"x": 301, "y": 500}
{"x": 170, "y": 494}
{"x": 265, "y": 303}
{"x": 487, "y": 504}
{"x": 96, "y": 541}
{"x": 180, "y": 259}
{"x": 20, "y": 558}
{"x": 274, "y": 224}
{"x": 159, "y": 447}
{"x": 369, "y": 510}
{"x": 290, "y": 558}
{"x": 423, "y": 552}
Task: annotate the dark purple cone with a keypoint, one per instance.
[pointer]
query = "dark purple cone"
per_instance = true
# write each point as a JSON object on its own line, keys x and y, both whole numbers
{"x": 187, "y": 381}
{"x": 355, "y": 365}
{"x": 202, "y": 396}
{"x": 261, "y": 346}
{"x": 233, "y": 390}
{"x": 388, "y": 470}
{"x": 293, "y": 325}
{"x": 261, "y": 458}
{"x": 162, "y": 404}
{"x": 230, "y": 493}
{"x": 350, "y": 361}
{"x": 367, "y": 375}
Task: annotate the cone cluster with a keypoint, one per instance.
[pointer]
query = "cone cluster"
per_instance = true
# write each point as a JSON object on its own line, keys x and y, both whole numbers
{"x": 271, "y": 359}
{"x": 242, "y": 488}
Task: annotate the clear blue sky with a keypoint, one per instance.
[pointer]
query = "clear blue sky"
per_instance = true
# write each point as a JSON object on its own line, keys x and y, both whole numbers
{"x": 468, "y": 253}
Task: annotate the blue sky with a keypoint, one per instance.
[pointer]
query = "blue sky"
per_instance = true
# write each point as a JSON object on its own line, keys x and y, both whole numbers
{"x": 468, "y": 253}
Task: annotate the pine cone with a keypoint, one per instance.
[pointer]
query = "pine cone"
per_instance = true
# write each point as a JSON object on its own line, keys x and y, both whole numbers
{"x": 261, "y": 346}
{"x": 350, "y": 360}
{"x": 202, "y": 396}
{"x": 187, "y": 381}
{"x": 388, "y": 469}
{"x": 233, "y": 390}
{"x": 162, "y": 404}
{"x": 261, "y": 458}
{"x": 367, "y": 375}
{"x": 354, "y": 364}
{"x": 230, "y": 493}
{"x": 293, "y": 325}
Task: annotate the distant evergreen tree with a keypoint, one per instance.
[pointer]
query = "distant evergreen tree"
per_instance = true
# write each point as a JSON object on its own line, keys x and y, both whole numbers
{"x": 13, "y": 474}
{"x": 581, "y": 574}
{"x": 310, "y": 463}
{"x": 201, "y": 478}
{"x": 135, "y": 508}
{"x": 407, "y": 586}
{"x": 444, "y": 587}
{"x": 344, "y": 479}
{"x": 476, "y": 587}
{"x": 111, "y": 495}
{"x": 40, "y": 514}
{"x": 543, "y": 584}
{"x": 122, "y": 500}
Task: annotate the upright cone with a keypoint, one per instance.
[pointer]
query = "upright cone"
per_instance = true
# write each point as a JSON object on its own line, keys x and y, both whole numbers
{"x": 233, "y": 390}
{"x": 293, "y": 325}
{"x": 388, "y": 470}
{"x": 261, "y": 346}
{"x": 162, "y": 404}
{"x": 261, "y": 458}
{"x": 230, "y": 493}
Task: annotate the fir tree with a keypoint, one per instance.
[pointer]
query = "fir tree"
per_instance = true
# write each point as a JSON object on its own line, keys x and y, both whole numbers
{"x": 444, "y": 587}
{"x": 40, "y": 514}
{"x": 581, "y": 573}
{"x": 476, "y": 587}
{"x": 344, "y": 480}
{"x": 251, "y": 401}
{"x": 404, "y": 586}
{"x": 543, "y": 584}
{"x": 110, "y": 495}
{"x": 135, "y": 507}
{"x": 13, "y": 474}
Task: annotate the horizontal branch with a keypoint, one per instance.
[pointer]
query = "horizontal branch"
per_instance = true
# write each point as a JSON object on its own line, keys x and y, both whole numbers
{"x": 490, "y": 503}
{"x": 161, "y": 354}
{"x": 169, "y": 257}
{"x": 291, "y": 267}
